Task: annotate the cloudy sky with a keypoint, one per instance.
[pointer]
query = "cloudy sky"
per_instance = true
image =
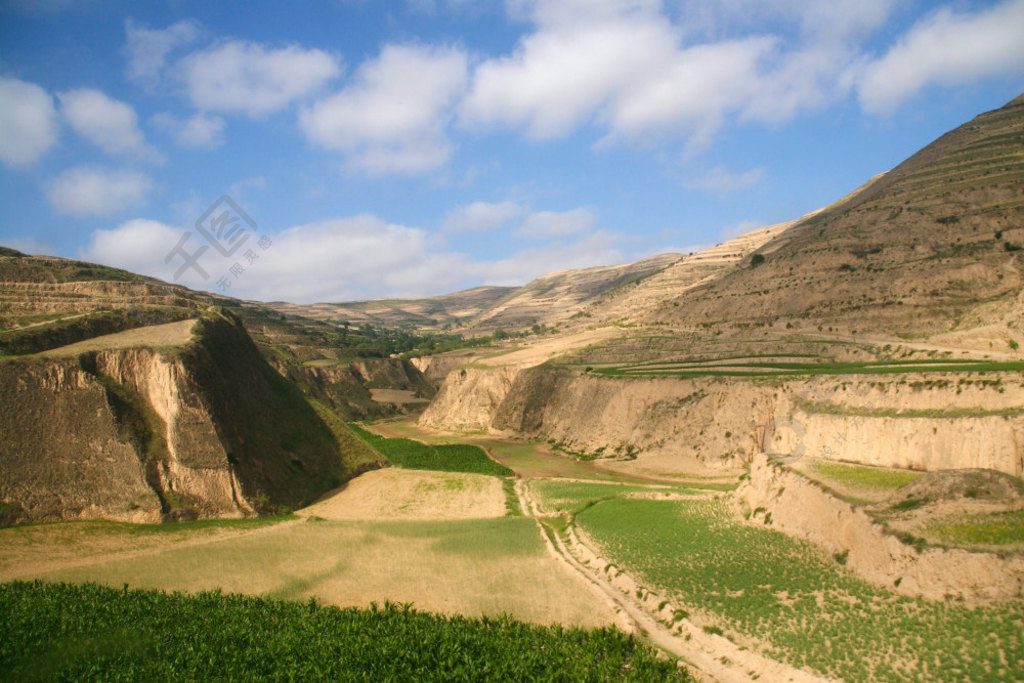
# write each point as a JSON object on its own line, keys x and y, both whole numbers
{"x": 422, "y": 146}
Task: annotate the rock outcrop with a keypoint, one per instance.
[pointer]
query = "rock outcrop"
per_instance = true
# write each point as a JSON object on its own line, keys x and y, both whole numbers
{"x": 207, "y": 429}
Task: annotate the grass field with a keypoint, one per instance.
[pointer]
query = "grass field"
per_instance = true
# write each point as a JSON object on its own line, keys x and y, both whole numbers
{"x": 1002, "y": 528}
{"x": 476, "y": 567}
{"x": 442, "y": 457}
{"x": 861, "y": 476}
{"x": 758, "y": 584}
{"x": 88, "y": 632}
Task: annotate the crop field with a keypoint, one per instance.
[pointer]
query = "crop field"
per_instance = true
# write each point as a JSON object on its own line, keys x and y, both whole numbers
{"x": 417, "y": 455}
{"x": 879, "y": 479}
{"x": 793, "y": 367}
{"x": 765, "y": 589}
{"x": 62, "y": 632}
{"x": 573, "y": 497}
{"x": 474, "y": 567}
{"x": 997, "y": 529}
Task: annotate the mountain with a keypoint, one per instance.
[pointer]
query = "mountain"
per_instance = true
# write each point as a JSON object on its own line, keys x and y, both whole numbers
{"x": 936, "y": 245}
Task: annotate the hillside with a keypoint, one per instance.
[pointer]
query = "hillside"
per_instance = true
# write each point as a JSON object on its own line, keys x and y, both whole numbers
{"x": 555, "y": 297}
{"x": 935, "y": 245}
{"x": 49, "y": 302}
{"x": 175, "y": 421}
{"x": 425, "y": 313}
{"x": 884, "y": 329}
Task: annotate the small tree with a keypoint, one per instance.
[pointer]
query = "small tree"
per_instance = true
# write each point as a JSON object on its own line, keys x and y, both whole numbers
{"x": 756, "y": 260}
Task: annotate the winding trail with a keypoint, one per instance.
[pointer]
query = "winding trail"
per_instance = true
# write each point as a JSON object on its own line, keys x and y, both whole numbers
{"x": 712, "y": 657}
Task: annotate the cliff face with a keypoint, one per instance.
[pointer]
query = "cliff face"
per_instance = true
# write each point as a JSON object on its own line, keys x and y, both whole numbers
{"x": 901, "y": 421}
{"x": 787, "y": 501}
{"x": 204, "y": 430}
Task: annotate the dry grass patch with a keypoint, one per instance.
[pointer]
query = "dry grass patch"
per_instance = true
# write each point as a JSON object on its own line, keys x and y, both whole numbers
{"x": 413, "y": 494}
{"x": 470, "y": 567}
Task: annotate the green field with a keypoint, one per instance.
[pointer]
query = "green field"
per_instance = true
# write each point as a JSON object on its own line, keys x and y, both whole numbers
{"x": 750, "y": 367}
{"x": 473, "y": 567}
{"x": 861, "y": 476}
{"x": 89, "y": 632}
{"x": 995, "y": 529}
{"x": 416, "y": 455}
{"x": 572, "y": 497}
{"x": 798, "y": 602}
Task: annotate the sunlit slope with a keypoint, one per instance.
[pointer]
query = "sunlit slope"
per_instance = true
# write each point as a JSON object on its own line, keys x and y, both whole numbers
{"x": 931, "y": 246}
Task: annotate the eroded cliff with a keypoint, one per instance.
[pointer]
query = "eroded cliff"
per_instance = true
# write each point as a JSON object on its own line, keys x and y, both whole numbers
{"x": 901, "y": 420}
{"x": 206, "y": 429}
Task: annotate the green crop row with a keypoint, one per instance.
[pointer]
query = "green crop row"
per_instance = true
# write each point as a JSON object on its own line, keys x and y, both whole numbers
{"x": 416, "y": 455}
{"x": 90, "y": 632}
{"x": 781, "y": 369}
{"x": 760, "y": 583}
{"x": 572, "y": 497}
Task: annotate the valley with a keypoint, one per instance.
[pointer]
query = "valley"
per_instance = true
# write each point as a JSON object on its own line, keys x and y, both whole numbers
{"x": 795, "y": 455}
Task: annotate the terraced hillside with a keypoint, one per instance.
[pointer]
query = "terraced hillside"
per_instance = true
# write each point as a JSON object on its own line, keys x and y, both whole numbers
{"x": 630, "y": 302}
{"x": 934, "y": 246}
{"x": 555, "y": 297}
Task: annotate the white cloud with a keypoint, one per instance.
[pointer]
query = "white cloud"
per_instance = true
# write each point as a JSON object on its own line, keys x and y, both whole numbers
{"x": 357, "y": 257}
{"x": 947, "y": 49}
{"x": 561, "y": 74}
{"x": 199, "y": 131}
{"x": 109, "y": 124}
{"x": 628, "y": 67}
{"x": 138, "y": 245}
{"x": 720, "y": 180}
{"x": 392, "y": 116}
{"x": 28, "y": 122}
{"x": 350, "y": 258}
{"x": 239, "y": 76}
{"x": 86, "y": 190}
{"x": 550, "y": 224}
{"x": 481, "y": 217}
{"x": 147, "y": 49}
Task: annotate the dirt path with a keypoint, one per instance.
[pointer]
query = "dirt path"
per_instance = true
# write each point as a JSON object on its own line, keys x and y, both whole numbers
{"x": 649, "y": 614}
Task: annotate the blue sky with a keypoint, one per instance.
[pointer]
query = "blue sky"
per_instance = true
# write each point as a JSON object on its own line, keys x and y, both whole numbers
{"x": 423, "y": 146}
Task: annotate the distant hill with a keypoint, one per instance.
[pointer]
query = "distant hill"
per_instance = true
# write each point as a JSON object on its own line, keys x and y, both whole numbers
{"x": 557, "y": 296}
{"x": 426, "y": 312}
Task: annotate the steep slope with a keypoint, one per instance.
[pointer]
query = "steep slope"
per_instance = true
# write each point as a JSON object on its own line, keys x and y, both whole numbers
{"x": 140, "y": 432}
{"x": 932, "y": 246}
